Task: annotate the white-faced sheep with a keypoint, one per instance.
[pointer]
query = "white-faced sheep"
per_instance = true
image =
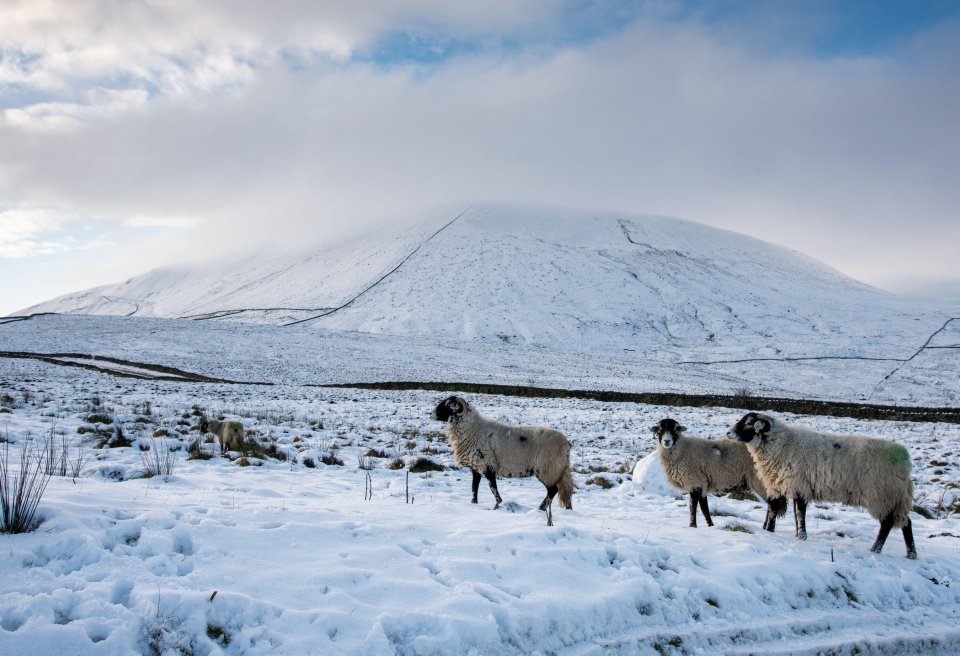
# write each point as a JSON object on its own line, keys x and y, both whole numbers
{"x": 851, "y": 469}
{"x": 698, "y": 466}
{"x": 229, "y": 433}
{"x": 492, "y": 449}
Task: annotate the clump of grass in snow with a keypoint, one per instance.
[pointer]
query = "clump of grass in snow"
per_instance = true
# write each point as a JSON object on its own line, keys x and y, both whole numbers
{"x": 159, "y": 459}
{"x": 600, "y": 481}
{"x": 421, "y": 465}
{"x": 21, "y": 491}
{"x": 196, "y": 451}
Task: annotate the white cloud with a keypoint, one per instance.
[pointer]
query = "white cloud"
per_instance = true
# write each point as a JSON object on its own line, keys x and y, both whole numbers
{"x": 851, "y": 161}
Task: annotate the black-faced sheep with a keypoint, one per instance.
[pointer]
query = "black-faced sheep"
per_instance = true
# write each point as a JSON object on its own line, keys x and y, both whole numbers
{"x": 851, "y": 469}
{"x": 492, "y": 449}
{"x": 699, "y": 466}
{"x": 229, "y": 433}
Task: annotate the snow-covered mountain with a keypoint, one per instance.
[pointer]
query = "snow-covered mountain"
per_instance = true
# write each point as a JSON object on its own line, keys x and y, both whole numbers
{"x": 565, "y": 279}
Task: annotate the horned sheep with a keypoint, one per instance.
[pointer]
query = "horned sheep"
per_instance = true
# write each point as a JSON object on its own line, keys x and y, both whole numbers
{"x": 490, "y": 448}
{"x": 698, "y": 466}
{"x": 815, "y": 466}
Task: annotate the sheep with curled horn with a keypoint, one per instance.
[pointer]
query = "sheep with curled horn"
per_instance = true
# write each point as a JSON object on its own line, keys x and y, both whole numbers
{"x": 698, "y": 466}
{"x": 490, "y": 448}
{"x": 855, "y": 470}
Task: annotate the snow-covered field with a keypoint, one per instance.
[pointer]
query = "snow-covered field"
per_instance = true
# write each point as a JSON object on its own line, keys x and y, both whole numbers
{"x": 303, "y": 355}
{"x": 288, "y": 555}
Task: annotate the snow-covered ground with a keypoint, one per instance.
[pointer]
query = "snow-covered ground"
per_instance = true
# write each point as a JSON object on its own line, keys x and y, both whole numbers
{"x": 287, "y": 556}
{"x": 303, "y": 355}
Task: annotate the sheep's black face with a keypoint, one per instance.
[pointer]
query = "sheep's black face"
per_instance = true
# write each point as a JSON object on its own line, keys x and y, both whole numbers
{"x": 449, "y": 408}
{"x": 667, "y": 431}
{"x": 751, "y": 425}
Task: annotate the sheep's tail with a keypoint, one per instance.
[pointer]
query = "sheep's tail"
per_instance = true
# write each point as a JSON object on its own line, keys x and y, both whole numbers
{"x": 778, "y": 506}
{"x": 565, "y": 487}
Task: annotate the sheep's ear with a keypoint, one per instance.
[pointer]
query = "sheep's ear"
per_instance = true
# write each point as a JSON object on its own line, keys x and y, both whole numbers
{"x": 760, "y": 426}
{"x": 681, "y": 429}
{"x": 655, "y": 429}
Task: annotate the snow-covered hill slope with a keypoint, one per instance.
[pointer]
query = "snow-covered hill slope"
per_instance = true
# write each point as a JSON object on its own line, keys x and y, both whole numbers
{"x": 565, "y": 279}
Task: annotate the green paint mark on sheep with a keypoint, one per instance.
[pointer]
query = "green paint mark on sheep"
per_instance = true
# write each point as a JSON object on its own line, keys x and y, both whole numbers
{"x": 896, "y": 453}
{"x": 234, "y": 424}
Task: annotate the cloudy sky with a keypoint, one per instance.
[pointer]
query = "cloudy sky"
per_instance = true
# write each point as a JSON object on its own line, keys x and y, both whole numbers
{"x": 135, "y": 134}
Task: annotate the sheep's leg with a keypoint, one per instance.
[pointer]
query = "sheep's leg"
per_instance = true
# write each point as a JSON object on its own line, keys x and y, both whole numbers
{"x": 476, "y": 485}
{"x": 694, "y": 502}
{"x": 492, "y": 479}
{"x": 908, "y": 540}
{"x": 705, "y": 509}
{"x": 800, "y": 516}
{"x": 550, "y": 512}
{"x": 776, "y": 507}
{"x": 885, "y": 525}
{"x": 547, "y": 500}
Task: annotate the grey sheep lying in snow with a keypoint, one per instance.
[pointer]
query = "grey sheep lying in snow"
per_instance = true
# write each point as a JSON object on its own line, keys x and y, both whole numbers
{"x": 490, "y": 448}
{"x": 699, "y": 466}
{"x": 851, "y": 469}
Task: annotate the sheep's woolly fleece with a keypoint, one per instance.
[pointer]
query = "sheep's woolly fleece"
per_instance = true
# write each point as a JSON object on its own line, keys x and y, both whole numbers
{"x": 285, "y": 558}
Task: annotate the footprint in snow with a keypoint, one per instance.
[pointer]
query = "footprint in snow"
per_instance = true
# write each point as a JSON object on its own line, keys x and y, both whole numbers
{"x": 11, "y": 622}
{"x": 490, "y": 595}
{"x": 97, "y": 631}
{"x": 120, "y": 594}
{"x": 413, "y": 551}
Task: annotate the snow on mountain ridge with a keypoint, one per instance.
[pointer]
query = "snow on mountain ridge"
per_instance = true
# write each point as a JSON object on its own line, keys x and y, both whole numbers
{"x": 553, "y": 277}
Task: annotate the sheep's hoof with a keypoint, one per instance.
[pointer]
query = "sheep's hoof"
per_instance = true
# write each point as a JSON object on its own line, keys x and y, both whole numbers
{"x": 802, "y": 535}
{"x": 497, "y": 505}
{"x": 473, "y": 500}
{"x": 912, "y": 554}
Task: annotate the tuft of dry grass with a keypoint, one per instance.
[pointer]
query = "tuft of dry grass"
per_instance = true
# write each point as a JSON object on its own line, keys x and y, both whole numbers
{"x": 600, "y": 481}
{"x": 421, "y": 465}
{"x": 159, "y": 459}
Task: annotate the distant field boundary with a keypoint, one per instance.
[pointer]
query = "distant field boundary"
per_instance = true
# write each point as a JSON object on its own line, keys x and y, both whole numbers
{"x": 143, "y": 371}
{"x": 108, "y": 365}
{"x": 745, "y": 402}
